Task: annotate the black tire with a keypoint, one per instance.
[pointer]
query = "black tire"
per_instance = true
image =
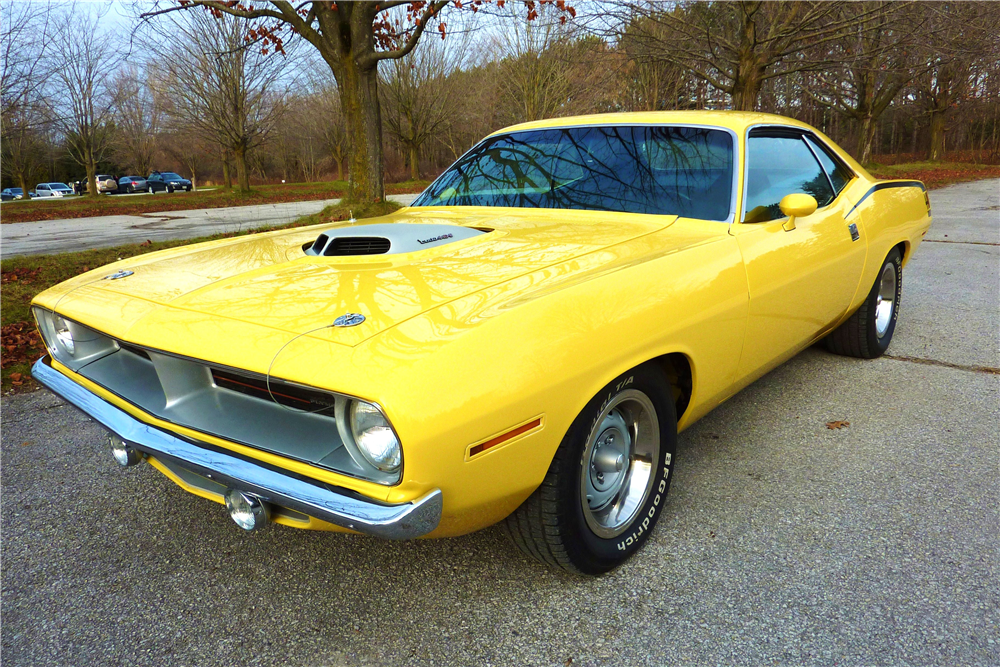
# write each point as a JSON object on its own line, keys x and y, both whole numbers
{"x": 170, "y": 189}
{"x": 859, "y": 336}
{"x": 552, "y": 524}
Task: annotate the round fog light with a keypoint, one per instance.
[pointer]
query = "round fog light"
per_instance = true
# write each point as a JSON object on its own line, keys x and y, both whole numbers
{"x": 246, "y": 510}
{"x": 124, "y": 455}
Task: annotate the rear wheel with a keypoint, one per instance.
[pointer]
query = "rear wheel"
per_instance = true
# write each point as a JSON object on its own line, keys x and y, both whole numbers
{"x": 608, "y": 481}
{"x": 868, "y": 332}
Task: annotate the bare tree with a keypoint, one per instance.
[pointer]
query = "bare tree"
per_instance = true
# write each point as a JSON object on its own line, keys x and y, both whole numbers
{"x": 25, "y": 36}
{"x": 736, "y": 46}
{"x": 219, "y": 84}
{"x": 188, "y": 147}
{"x": 962, "y": 35}
{"x": 874, "y": 62}
{"x": 417, "y": 101}
{"x": 85, "y": 55}
{"x": 647, "y": 82}
{"x": 352, "y": 38}
{"x": 137, "y": 120}
{"x": 474, "y": 105}
{"x": 533, "y": 82}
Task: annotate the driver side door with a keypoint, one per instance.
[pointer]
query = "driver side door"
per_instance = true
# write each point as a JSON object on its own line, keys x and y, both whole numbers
{"x": 802, "y": 280}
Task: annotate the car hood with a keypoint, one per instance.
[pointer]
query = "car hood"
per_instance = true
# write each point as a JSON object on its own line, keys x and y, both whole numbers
{"x": 267, "y": 281}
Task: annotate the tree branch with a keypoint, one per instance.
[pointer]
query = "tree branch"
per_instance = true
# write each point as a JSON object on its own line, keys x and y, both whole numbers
{"x": 428, "y": 14}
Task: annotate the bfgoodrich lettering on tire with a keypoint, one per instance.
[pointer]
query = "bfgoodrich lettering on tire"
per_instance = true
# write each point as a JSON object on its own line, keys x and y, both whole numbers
{"x": 608, "y": 482}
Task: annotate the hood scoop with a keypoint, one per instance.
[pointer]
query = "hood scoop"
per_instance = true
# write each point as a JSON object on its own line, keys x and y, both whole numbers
{"x": 386, "y": 239}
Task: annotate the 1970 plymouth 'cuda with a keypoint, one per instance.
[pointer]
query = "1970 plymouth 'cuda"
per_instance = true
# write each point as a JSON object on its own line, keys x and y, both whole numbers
{"x": 522, "y": 344}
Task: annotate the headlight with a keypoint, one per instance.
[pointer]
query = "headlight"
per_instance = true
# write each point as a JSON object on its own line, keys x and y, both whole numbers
{"x": 374, "y": 437}
{"x": 64, "y": 337}
{"x": 71, "y": 343}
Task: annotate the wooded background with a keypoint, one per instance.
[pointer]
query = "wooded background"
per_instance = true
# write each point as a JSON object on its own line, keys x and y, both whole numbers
{"x": 246, "y": 98}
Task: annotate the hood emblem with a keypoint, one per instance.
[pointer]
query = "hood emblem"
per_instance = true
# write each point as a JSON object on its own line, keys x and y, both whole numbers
{"x": 349, "y": 320}
{"x": 121, "y": 273}
{"x": 434, "y": 238}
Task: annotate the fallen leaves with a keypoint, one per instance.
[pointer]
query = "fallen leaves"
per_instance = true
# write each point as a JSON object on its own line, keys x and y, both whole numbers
{"x": 25, "y": 275}
{"x": 837, "y": 425}
{"x": 19, "y": 343}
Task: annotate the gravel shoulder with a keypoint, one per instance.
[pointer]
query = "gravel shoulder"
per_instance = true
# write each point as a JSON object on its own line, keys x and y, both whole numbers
{"x": 783, "y": 542}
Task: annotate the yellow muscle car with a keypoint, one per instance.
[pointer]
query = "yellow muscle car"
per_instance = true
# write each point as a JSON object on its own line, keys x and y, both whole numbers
{"x": 522, "y": 344}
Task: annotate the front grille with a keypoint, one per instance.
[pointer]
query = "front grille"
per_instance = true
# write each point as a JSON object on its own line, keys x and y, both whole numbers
{"x": 234, "y": 405}
{"x": 280, "y": 392}
{"x": 358, "y": 245}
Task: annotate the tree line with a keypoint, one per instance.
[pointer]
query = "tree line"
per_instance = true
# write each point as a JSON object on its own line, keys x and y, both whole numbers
{"x": 231, "y": 92}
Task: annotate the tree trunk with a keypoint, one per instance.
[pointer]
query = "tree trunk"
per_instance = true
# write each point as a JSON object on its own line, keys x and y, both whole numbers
{"x": 745, "y": 94}
{"x": 937, "y": 136}
{"x": 23, "y": 181}
{"x": 414, "y": 162}
{"x": 749, "y": 74}
{"x": 866, "y": 135}
{"x": 227, "y": 178}
{"x": 242, "y": 173}
{"x": 92, "y": 174}
{"x": 363, "y": 118}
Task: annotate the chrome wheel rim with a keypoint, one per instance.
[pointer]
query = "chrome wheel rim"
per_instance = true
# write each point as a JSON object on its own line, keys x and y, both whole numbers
{"x": 623, "y": 448}
{"x": 885, "y": 301}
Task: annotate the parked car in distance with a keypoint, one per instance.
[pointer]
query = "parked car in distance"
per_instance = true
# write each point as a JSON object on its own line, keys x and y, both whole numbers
{"x": 131, "y": 184}
{"x": 168, "y": 181}
{"x": 10, "y": 194}
{"x": 52, "y": 190}
{"x": 522, "y": 344}
{"x": 106, "y": 184}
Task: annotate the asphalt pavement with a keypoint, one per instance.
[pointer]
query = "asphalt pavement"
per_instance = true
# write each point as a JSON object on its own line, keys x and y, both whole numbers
{"x": 782, "y": 542}
{"x": 72, "y": 234}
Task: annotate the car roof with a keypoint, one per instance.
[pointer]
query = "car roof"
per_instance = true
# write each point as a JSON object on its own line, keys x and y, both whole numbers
{"x": 737, "y": 121}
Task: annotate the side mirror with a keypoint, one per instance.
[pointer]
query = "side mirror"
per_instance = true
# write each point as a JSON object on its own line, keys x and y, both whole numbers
{"x": 796, "y": 206}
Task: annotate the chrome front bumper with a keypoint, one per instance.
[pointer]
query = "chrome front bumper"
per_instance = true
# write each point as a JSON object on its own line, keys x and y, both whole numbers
{"x": 337, "y": 506}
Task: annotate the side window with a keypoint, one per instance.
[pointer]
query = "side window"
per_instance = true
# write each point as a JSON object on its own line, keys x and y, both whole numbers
{"x": 780, "y": 165}
{"x": 837, "y": 172}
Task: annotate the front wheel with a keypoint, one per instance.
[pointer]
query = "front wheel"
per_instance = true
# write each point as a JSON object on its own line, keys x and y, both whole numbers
{"x": 868, "y": 332}
{"x": 608, "y": 482}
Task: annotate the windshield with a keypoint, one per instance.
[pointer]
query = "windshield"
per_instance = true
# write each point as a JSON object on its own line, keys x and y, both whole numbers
{"x": 169, "y": 176}
{"x": 684, "y": 171}
{"x": 58, "y": 186}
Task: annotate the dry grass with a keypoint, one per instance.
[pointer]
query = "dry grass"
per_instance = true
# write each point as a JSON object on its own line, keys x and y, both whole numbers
{"x": 85, "y": 207}
{"x": 936, "y": 174}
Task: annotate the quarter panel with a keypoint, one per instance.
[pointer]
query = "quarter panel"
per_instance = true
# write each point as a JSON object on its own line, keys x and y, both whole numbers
{"x": 889, "y": 216}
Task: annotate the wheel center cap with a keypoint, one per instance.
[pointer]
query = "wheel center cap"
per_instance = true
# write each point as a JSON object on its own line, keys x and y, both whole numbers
{"x": 608, "y": 459}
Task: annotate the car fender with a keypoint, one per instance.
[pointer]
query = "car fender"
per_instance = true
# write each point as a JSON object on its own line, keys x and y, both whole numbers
{"x": 474, "y": 374}
{"x": 891, "y": 213}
